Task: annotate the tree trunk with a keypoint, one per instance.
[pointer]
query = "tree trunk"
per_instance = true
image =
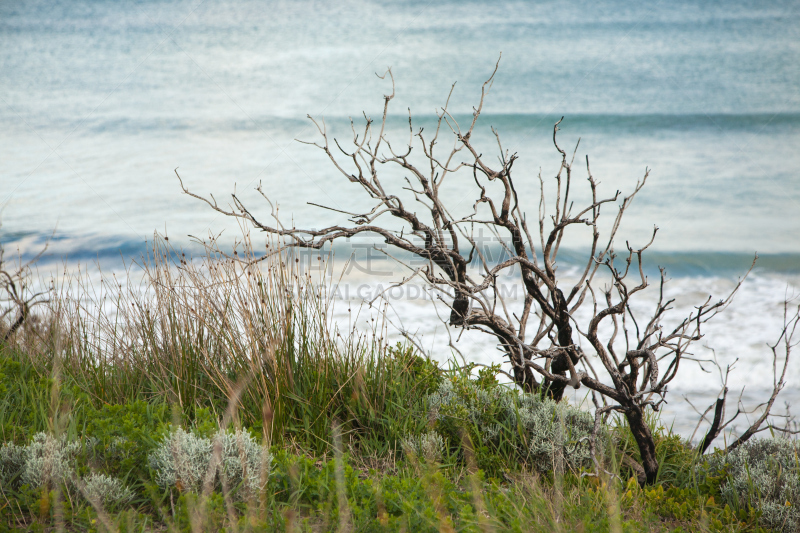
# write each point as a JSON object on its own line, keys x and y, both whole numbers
{"x": 560, "y": 364}
{"x": 460, "y": 309}
{"x": 523, "y": 375}
{"x": 23, "y": 314}
{"x": 644, "y": 439}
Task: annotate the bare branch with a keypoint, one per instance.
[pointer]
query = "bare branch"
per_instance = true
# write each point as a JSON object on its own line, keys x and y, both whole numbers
{"x": 458, "y": 267}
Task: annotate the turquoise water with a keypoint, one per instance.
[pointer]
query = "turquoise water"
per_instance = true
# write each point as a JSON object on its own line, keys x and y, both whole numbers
{"x": 100, "y": 101}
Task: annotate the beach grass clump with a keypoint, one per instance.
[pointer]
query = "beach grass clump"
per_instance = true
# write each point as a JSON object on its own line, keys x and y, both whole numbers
{"x": 192, "y": 333}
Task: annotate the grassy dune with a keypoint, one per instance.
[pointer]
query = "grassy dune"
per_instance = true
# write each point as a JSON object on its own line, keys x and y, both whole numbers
{"x": 217, "y": 396}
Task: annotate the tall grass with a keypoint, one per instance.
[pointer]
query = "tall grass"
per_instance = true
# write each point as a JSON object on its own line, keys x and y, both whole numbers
{"x": 197, "y": 332}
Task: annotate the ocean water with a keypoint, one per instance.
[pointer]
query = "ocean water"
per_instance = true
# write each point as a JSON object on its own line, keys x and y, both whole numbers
{"x": 100, "y": 101}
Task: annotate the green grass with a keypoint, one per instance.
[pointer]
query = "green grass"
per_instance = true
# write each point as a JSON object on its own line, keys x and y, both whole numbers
{"x": 213, "y": 344}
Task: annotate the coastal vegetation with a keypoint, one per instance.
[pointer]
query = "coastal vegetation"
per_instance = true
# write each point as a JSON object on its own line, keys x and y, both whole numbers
{"x": 217, "y": 394}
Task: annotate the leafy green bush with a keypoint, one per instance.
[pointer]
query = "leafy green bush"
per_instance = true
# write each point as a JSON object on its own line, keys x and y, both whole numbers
{"x": 688, "y": 506}
{"x": 124, "y": 435}
{"x": 425, "y": 374}
{"x": 405, "y": 502}
{"x": 764, "y": 474}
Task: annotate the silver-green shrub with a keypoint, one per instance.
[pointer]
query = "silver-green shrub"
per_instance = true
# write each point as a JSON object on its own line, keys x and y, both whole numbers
{"x": 12, "y": 461}
{"x": 428, "y": 447}
{"x": 184, "y": 460}
{"x": 243, "y": 461}
{"x": 463, "y": 400}
{"x": 49, "y": 460}
{"x": 764, "y": 473}
{"x": 558, "y": 433}
{"x": 52, "y": 461}
{"x": 547, "y": 435}
{"x": 106, "y": 490}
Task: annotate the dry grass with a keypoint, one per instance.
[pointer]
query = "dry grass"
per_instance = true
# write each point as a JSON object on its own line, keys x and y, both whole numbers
{"x": 195, "y": 333}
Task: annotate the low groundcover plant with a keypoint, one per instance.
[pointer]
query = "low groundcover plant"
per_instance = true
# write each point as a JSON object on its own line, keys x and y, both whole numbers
{"x": 765, "y": 474}
{"x": 191, "y": 463}
{"x": 49, "y": 462}
{"x": 539, "y": 432}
